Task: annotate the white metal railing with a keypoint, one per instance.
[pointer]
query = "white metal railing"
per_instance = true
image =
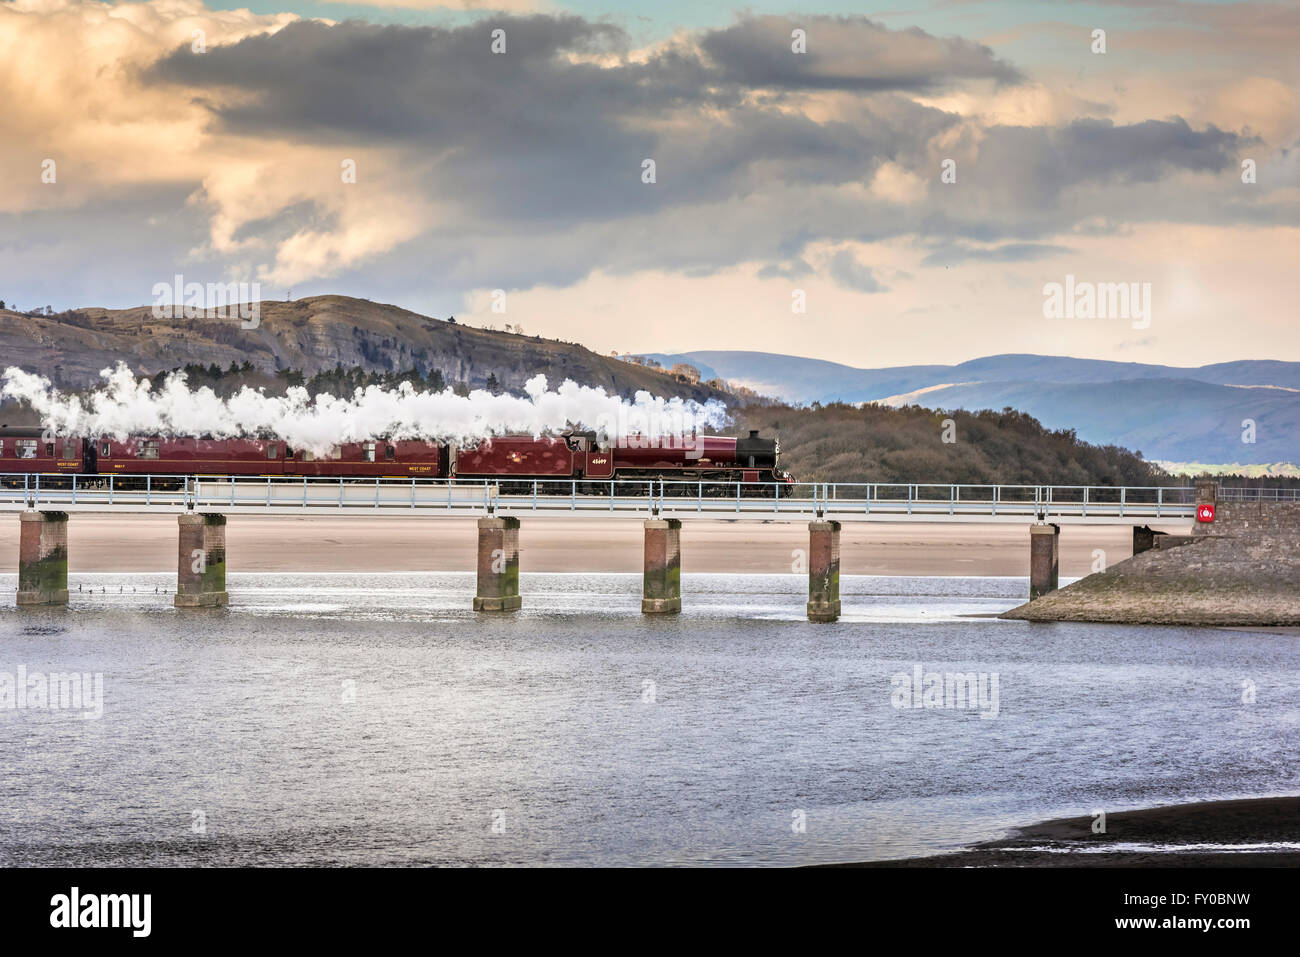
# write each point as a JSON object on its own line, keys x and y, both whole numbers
{"x": 1260, "y": 494}
{"x": 834, "y": 500}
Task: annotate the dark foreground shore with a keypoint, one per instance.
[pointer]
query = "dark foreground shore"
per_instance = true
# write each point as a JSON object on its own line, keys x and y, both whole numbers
{"x": 1182, "y": 835}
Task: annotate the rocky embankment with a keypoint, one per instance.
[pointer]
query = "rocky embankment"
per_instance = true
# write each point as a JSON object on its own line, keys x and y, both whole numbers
{"x": 1244, "y": 569}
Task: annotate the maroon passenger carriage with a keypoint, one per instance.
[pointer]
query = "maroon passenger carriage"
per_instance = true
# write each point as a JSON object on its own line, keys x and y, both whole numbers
{"x": 511, "y": 460}
{"x": 29, "y": 450}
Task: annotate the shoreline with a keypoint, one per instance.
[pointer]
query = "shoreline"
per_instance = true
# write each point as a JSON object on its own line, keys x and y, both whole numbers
{"x": 1149, "y": 837}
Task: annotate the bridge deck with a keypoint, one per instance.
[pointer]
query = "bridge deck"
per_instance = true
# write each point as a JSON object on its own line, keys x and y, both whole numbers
{"x": 433, "y": 498}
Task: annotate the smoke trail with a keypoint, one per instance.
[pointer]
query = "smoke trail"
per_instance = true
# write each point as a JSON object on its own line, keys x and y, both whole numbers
{"x": 127, "y": 406}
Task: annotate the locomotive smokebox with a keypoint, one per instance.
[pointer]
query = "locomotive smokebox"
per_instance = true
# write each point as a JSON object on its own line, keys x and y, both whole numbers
{"x": 756, "y": 453}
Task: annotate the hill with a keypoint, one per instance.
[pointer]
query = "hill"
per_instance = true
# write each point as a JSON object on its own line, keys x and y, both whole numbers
{"x": 846, "y": 443}
{"x": 317, "y": 335}
{"x": 1170, "y": 413}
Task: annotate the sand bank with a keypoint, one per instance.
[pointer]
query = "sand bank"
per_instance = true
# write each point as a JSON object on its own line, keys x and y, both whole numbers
{"x": 1242, "y": 579}
{"x": 102, "y": 543}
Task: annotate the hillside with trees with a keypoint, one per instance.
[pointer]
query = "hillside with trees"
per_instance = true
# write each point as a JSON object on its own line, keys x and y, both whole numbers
{"x": 318, "y": 335}
{"x": 847, "y": 443}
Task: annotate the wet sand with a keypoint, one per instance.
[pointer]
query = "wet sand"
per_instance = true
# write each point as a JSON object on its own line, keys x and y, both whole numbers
{"x": 1249, "y": 821}
{"x": 140, "y": 543}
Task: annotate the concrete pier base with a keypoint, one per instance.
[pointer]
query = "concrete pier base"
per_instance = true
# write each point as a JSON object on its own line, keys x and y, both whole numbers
{"x": 201, "y": 562}
{"x": 43, "y": 558}
{"x": 1044, "y": 559}
{"x": 661, "y": 585}
{"x": 1144, "y": 539}
{"x": 498, "y": 565}
{"x": 823, "y": 571}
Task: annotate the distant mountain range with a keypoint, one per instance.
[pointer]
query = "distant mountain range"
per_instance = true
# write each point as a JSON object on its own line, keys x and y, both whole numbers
{"x": 1168, "y": 413}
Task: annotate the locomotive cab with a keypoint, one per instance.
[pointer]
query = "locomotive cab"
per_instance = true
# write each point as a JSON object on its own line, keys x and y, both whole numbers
{"x": 581, "y": 441}
{"x": 590, "y": 460}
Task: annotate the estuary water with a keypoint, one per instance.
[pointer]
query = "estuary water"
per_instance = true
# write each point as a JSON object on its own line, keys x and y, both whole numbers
{"x": 374, "y": 720}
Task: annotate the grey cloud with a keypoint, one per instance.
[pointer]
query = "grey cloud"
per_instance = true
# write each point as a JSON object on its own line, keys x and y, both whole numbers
{"x": 1030, "y": 166}
{"x": 530, "y": 135}
{"x": 111, "y": 250}
{"x": 534, "y": 160}
{"x": 794, "y": 269}
{"x": 848, "y": 53}
{"x": 848, "y": 272}
{"x": 954, "y": 253}
{"x": 1141, "y": 151}
{"x": 305, "y": 215}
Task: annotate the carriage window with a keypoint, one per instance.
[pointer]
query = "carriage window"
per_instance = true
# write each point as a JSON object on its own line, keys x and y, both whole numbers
{"x": 368, "y": 452}
{"x": 148, "y": 450}
{"x": 103, "y": 450}
{"x": 69, "y": 449}
{"x": 271, "y": 450}
{"x": 49, "y": 449}
{"x": 25, "y": 448}
{"x": 390, "y": 453}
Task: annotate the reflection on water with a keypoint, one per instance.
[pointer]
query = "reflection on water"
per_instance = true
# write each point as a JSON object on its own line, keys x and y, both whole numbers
{"x": 374, "y": 719}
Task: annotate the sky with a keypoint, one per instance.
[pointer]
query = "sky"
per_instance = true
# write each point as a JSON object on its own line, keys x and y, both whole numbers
{"x": 888, "y": 186}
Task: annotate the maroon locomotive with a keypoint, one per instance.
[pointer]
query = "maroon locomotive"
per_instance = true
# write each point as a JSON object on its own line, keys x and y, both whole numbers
{"x": 572, "y": 456}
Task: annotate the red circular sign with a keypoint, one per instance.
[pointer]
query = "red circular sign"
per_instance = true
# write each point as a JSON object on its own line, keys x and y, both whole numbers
{"x": 1205, "y": 513}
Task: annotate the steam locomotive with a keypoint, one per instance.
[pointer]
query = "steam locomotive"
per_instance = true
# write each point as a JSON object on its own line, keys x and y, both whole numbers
{"x": 571, "y": 456}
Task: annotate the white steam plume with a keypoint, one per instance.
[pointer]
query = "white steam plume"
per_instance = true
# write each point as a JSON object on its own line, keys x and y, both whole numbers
{"x": 127, "y": 406}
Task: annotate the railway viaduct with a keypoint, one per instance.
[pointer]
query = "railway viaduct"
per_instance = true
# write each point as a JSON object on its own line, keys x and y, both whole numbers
{"x": 204, "y": 505}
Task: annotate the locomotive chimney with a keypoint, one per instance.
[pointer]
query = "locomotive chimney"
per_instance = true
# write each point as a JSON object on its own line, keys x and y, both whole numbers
{"x": 753, "y": 433}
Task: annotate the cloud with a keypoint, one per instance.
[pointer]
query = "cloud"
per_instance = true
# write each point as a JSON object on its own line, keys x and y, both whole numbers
{"x": 524, "y": 170}
{"x": 794, "y": 269}
{"x": 71, "y": 94}
{"x": 950, "y": 255}
{"x": 847, "y": 53}
{"x": 549, "y": 139}
{"x": 848, "y": 272}
{"x": 513, "y": 6}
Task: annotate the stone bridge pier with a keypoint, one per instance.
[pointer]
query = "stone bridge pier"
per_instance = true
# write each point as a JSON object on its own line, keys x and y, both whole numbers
{"x": 1044, "y": 559}
{"x": 661, "y": 585}
{"x": 201, "y": 562}
{"x": 200, "y": 571}
{"x": 823, "y": 571}
{"x": 498, "y": 565}
{"x": 43, "y": 558}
